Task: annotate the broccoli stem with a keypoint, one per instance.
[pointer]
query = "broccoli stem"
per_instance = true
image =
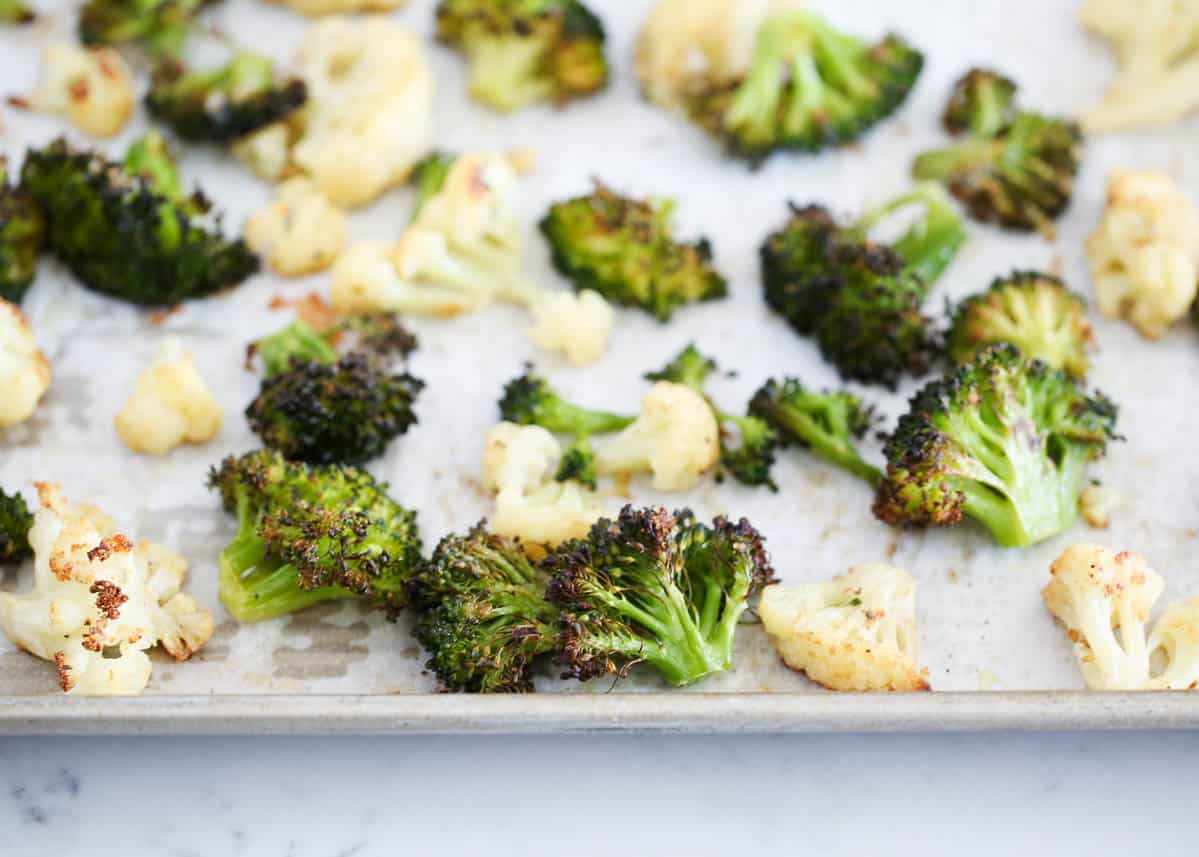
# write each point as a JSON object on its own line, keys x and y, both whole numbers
{"x": 929, "y": 244}
{"x": 561, "y": 417}
{"x": 506, "y": 72}
{"x": 991, "y": 104}
{"x": 941, "y": 164}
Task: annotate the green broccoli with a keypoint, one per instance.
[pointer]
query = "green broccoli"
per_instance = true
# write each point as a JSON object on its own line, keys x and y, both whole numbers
{"x": 982, "y": 102}
{"x": 524, "y": 51}
{"x": 22, "y": 234}
{"x": 126, "y": 235}
{"x": 827, "y": 423}
{"x": 859, "y": 300}
{"x": 15, "y": 521}
{"x": 625, "y": 249}
{"x": 150, "y": 158}
{"x": 15, "y": 12}
{"x": 429, "y": 177}
{"x": 1005, "y": 440}
{"x": 1035, "y": 312}
{"x": 747, "y": 443}
{"x": 381, "y": 334}
{"x": 656, "y": 588}
{"x": 310, "y": 534}
{"x": 317, "y": 407}
{"x": 224, "y": 104}
{"x": 482, "y": 613}
{"x": 809, "y": 86}
{"x": 160, "y": 26}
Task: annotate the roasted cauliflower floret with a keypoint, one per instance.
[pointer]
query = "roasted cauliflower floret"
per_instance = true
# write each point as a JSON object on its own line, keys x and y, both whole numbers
{"x": 577, "y": 325}
{"x": 675, "y": 438}
{"x": 340, "y": 7}
{"x": 1144, "y": 256}
{"x": 377, "y": 276}
{"x": 1096, "y": 504}
{"x": 369, "y": 117}
{"x": 300, "y": 232}
{"x": 24, "y": 370}
{"x": 98, "y": 604}
{"x": 267, "y": 151}
{"x": 856, "y": 632}
{"x": 92, "y": 87}
{"x": 170, "y": 405}
{"x": 1174, "y": 648}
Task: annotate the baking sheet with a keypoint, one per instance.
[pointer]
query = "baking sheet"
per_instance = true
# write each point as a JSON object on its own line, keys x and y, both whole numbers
{"x": 983, "y": 630}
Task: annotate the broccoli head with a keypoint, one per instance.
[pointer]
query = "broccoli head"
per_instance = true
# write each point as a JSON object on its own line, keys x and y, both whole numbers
{"x": 160, "y": 26}
{"x": 311, "y": 534}
{"x": 982, "y": 102}
{"x": 15, "y": 12}
{"x": 524, "y": 51}
{"x": 656, "y": 588}
{"x": 22, "y": 233}
{"x": 224, "y": 104}
{"x": 1035, "y": 312}
{"x": 1004, "y": 440}
{"x": 809, "y": 86}
{"x": 482, "y": 613}
{"x": 15, "y": 521}
{"x": 826, "y": 423}
{"x": 625, "y": 249}
{"x": 125, "y": 235}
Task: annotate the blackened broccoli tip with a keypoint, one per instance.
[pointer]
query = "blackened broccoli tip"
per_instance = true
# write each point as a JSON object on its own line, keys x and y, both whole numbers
{"x": 482, "y": 613}
{"x": 1004, "y": 440}
{"x": 381, "y": 334}
{"x": 625, "y": 249}
{"x": 1020, "y": 178}
{"x": 159, "y": 26}
{"x": 1036, "y": 312}
{"x": 982, "y": 102}
{"x": 15, "y": 522}
{"x": 656, "y": 588}
{"x": 224, "y": 104}
{"x": 827, "y": 423}
{"x": 22, "y": 235}
{"x": 808, "y": 87}
{"x": 525, "y": 51}
{"x": 122, "y": 235}
{"x": 311, "y": 534}
{"x": 531, "y": 400}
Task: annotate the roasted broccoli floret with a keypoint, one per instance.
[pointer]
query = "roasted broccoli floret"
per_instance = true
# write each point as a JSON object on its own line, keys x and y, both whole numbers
{"x": 127, "y": 235}
{"x": 22, "y": 233}
{"x": 310, "y": 534}
{"x": 15, "y": 521}
{"x": 1005, "y": 440}
{"x": 982, "y": 102}
{"x": 160, "y": 26}
{"x": 625, "y": 249}
{"x": 809, "y": 86}
{"x": 317, "y": 407}
{"x": 223, "y": 104}
{"x": 1035, "y": 312}
{"x": 861, "y": 301}
{"x": 482, "y": 613}
{"x": 656, "y": 588}
{"x": 15, "y": 12}
{"x": 747, "y": 443}
{"x": 827, "y": 423}
{"x": 523, "y": 51}
{"x": 1020, "y": 178}
{"x": 381, "y": 334}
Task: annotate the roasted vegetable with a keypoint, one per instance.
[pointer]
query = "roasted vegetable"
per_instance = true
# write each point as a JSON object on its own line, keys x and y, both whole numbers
{"x": 15, "y": 12}
{"x": 22, "y": 233}
{"x": 15, "y": 521}
{"x": 160, "y": 26}
{"x": 982, "y": 102}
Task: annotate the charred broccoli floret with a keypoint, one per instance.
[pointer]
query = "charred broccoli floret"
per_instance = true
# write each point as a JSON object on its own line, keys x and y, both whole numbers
{"x": 125, "y": 234}
{"x": 160, "y": 26}
{"x": 1035, "y": 312}
{"x": 223, "y": 104}
{"x": 859, "y": 300}
{"x": 317, "y": 407}
{"x": 15, "y": 12}
{"x": 22, "y": 233}
{"x": 310, "y": 534}
{"x": 809, "y": 86}
{"x": 523, "y": 51}
{"x": 625, "y": 249}
{"x": 826, "y": 423}
{"x": 381, "y": 334}
{"x": 982, "y": 102}
{"x": 15, "y": 521}
{"x": 747, "y": 443}
{"x": 1004, "y": 440}
{"x": 656, "y": 588}
{"x": 482, "y": 613}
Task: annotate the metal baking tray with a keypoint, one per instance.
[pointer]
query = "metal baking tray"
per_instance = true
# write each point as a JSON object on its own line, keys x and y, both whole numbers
{"x": 996, "y": 658}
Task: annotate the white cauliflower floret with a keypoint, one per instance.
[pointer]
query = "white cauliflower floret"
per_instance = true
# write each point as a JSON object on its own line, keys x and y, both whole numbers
{"x": 92, "y": 87}
{"x": 1144, "y": 256}
{"x": 340, "y": 7}
{"x": 1096, "y": 504}
{"x": 170, "y": 405}
{"x": 369, "y": 116}
{"x": 675, "y": 437}
{"x": 366, "y": 279}
{"x": 98, "y": 604}
{"x": 577, "y": 325}
{"x": 267, "y": 151}
{"x": 299, "y": 232}
{"x": 856, "y": 632}
{"x": 519, "y": 463}
{"x": 1174, "y": 648}
{"x": 24, "y": 370}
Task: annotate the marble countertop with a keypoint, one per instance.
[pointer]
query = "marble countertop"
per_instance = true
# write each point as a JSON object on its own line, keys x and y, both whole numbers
{"x": 995, "y": 794}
